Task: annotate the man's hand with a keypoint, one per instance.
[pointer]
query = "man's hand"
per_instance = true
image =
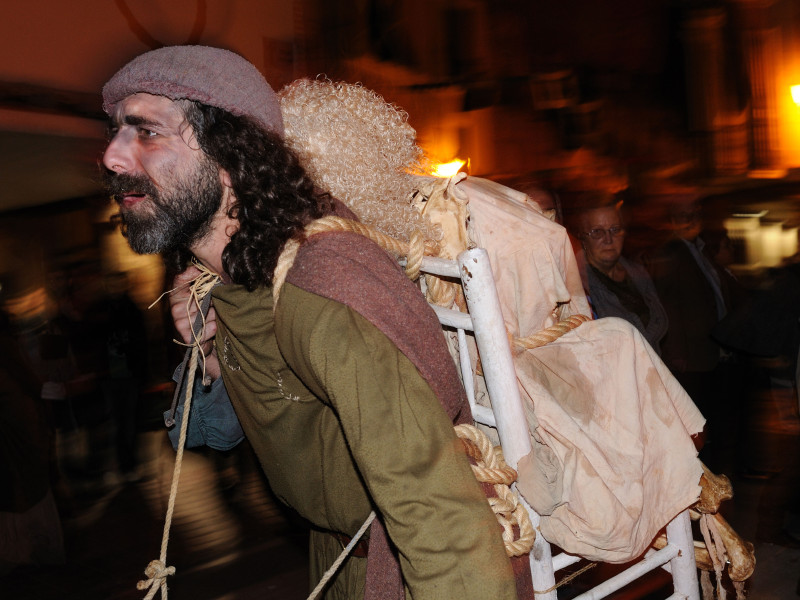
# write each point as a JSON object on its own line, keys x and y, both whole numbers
{"x": 184, "y": 311}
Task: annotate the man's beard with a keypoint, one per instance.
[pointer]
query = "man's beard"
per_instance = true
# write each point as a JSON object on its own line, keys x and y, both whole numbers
{"x": 177, "y": 217}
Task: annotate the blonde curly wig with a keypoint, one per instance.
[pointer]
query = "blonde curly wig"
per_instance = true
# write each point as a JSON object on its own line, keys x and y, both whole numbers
{"x": 359, "y": 148}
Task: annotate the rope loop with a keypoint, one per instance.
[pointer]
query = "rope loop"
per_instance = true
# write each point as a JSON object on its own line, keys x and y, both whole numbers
{"x": 491, "y": 468}
{"x": 441, "y": 292}
{"x": 490, "y": 465}
{"x": 509, "y": 512}
{"x": 414, "y": 250}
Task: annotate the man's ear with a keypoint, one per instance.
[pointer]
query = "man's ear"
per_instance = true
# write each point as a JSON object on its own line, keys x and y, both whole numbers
{"x": 225, "y": 178}
{"x": 228, "y": 197}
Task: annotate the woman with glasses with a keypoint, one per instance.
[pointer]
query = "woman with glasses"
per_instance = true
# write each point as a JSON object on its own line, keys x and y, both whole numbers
{"x": 616, "y": 286}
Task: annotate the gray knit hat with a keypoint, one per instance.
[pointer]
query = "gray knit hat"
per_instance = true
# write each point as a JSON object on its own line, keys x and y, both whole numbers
{"x": 212, "y": 76}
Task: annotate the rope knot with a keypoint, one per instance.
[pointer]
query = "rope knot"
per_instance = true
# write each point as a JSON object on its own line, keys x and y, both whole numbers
{"x": 157, "y": 573}
{"x": 492, "y": 468}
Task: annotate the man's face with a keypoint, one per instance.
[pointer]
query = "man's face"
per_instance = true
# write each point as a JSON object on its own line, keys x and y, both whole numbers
{"x": 166, "y": 187}
{"x": 603, "y": 237}
{"x": 687, "y": 221}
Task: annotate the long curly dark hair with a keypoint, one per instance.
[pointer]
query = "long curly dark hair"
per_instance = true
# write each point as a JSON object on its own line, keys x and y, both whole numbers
{"x": 275, "y": 198}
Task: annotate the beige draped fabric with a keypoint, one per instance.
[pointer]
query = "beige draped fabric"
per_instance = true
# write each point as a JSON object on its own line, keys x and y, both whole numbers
{"x": 613, "y": 460}
{"x": 619, "y": 426}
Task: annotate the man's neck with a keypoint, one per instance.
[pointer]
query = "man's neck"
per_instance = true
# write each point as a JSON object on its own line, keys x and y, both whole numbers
{"x": 209, "y": 249}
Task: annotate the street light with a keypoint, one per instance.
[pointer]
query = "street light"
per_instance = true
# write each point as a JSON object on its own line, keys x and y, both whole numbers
{"x": 796, "y": 94}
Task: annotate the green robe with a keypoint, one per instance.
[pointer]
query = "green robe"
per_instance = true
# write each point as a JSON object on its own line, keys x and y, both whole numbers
{"x": 343, "y": 422}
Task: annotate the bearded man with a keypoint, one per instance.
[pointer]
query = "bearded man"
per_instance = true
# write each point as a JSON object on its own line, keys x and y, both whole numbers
{"x": 345, "y": 389}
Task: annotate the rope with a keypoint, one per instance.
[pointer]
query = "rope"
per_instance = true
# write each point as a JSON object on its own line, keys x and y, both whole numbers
{"x": 285, "y": 262}
{"x": 491, "y": 468}
{"x": 199, "y": 288}
{"x": 552, "y": 333}
{"x": 157, "y": 571}
{"x": 566, "y": 579}
{"x": 340, "y": 559}
{"x": 441, "y": 292}
{"x": 414, "y": 249}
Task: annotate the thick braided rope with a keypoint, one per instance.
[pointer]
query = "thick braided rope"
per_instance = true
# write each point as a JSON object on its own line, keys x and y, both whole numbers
{"x": 157, "y": 571}
{"x": 552, "y": 333}
{"x": 414, "y": 249}
{"x": 509, "y": 512}
{"x": 441, "y": 292}
{"x": 492, "y": 468}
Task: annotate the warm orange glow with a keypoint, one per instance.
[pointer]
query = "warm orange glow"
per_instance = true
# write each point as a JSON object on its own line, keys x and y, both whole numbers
{"x": 448, "y": 169}
{"x": 796, "y": 94}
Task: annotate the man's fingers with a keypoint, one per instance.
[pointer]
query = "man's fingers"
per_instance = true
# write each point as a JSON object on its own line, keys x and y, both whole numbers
{"x": 180, "y": 285}
{"x": 184, "y": 312}
{"x": 182, "y": 308}
{"x": 186, "y": 276}
{"x": 211, "y": 324}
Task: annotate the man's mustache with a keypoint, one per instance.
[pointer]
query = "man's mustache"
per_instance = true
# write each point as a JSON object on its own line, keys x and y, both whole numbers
{"x": 118, "y": 185}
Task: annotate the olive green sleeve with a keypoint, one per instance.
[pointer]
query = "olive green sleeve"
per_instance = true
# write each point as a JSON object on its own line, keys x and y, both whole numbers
{"x": 404, "y": 447}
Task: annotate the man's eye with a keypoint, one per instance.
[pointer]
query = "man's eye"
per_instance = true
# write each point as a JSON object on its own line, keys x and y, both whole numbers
{"x": 147, "y": 133}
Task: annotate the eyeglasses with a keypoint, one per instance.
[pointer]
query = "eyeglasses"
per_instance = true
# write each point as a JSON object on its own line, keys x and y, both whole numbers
{"x": 600, "y": 233}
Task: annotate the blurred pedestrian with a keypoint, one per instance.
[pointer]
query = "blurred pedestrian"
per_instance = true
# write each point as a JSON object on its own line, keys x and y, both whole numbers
{"x": 125, "y": 370}
{"x": 695, "y": 298}
{"x": 30, "y": 526}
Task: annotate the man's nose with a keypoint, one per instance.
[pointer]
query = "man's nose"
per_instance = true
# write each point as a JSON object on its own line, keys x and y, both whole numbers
{"x": 118, "y": 157}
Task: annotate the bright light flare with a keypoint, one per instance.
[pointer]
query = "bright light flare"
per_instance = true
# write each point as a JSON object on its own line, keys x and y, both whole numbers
{"x": 448, "y": 169}
{"x": 796, "y": 94}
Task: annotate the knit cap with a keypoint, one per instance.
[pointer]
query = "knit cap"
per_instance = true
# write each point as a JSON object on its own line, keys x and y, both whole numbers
{"x": 211, "y": 76}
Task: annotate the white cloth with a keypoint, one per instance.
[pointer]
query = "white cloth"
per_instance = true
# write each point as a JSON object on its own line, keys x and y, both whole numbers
{"x": 619, "y": 425}
{"x": 613, "y": 461}
{"x": 532, "y": 261}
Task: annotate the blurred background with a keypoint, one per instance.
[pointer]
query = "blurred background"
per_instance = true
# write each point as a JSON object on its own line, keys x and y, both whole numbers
{"x": 654, "y": 102}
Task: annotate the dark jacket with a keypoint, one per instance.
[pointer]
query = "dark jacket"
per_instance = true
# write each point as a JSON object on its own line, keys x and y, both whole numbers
{"x": 691, "y": 307}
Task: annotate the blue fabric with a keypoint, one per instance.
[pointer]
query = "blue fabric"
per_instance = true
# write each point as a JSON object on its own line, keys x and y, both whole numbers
{"x": 212, "y": 420}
